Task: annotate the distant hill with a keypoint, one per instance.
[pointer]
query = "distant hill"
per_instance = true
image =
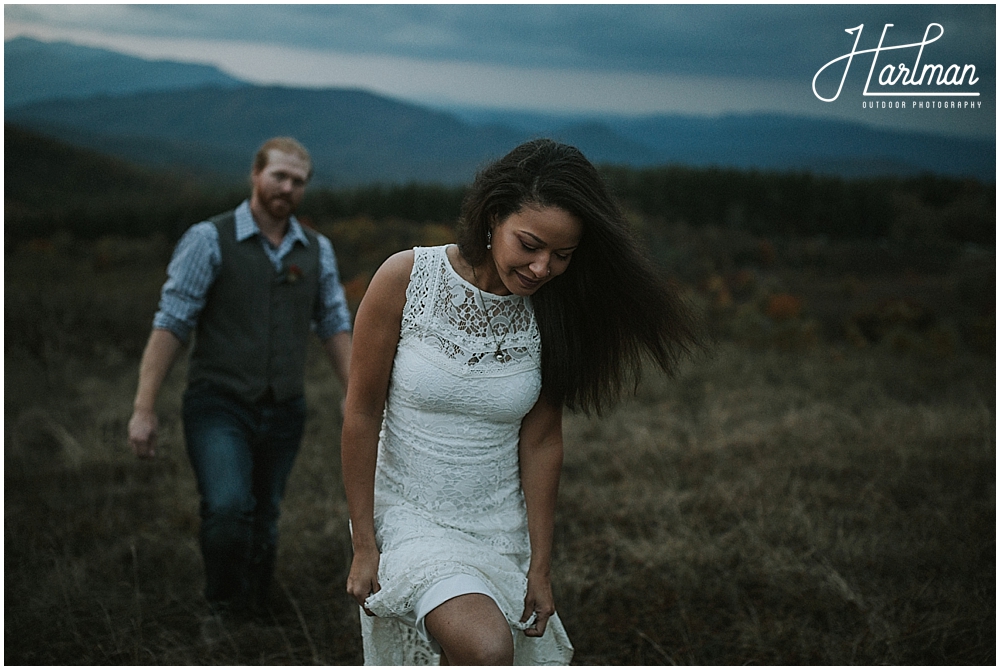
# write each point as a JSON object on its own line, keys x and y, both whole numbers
{"x": 197, "y": 119}
{"x": 777, "y": 142}
{"x": 50, "y": 185}
{"x": 758, "y": 141}
{"x": 359, "y": 137}
{"x": 354, "y": 136}
{"x": 31, "y": 181}
{"x": 35, "y": 70}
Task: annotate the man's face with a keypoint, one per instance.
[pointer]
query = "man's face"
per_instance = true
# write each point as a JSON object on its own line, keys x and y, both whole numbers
{"x": 279, "y": 187}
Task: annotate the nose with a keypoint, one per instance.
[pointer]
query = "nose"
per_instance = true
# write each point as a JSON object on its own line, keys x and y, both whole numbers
{"x": 540, "y": 266}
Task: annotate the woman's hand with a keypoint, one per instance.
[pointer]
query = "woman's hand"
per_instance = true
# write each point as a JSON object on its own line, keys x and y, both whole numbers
{"x": 538, "y": 601}
{"x": 540, "y": 453}
{"x": 363, "y": 579}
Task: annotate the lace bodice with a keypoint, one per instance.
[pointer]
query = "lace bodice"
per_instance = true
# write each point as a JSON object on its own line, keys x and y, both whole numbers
{"x": 465, "y": 325}
{"x": 448, "y": 496}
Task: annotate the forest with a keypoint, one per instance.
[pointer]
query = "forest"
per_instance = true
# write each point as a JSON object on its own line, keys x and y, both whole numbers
{"x": 816, "y": 488}
{"x": 92, "y": 195}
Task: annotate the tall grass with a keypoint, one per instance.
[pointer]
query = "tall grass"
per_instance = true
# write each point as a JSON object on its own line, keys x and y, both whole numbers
{"x": 822, "y": 505}
{"x": 778, "y": 508}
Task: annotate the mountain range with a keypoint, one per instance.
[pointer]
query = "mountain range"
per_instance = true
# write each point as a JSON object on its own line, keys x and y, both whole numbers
{"x": 197, "y": 118}
{"x": 35, "y": 70}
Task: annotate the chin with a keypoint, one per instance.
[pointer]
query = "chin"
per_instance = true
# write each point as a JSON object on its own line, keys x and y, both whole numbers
{"x": 281, "y": 210}
{"x": 521, "y": 287}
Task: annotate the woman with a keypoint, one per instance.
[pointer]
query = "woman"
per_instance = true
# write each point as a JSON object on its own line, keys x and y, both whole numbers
{"x": 464, "y": 358}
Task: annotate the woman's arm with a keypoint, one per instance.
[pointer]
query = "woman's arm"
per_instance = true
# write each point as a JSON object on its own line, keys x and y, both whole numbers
{"x": 376, "y": 334}
{"x": 541, "y": 453}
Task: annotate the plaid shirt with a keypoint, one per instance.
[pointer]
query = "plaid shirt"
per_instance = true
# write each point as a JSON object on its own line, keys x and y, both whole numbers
{"x": 195, "y": 265}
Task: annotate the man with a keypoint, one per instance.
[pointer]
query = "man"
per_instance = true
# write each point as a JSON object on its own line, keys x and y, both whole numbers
{"x": 249, "y": 284}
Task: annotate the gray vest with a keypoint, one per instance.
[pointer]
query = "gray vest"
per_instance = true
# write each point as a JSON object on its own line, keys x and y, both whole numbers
{"x": 252, "y": 334}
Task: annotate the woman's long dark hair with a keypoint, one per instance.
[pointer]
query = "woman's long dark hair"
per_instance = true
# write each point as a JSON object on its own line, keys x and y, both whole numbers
{"x": 611, "y": 309}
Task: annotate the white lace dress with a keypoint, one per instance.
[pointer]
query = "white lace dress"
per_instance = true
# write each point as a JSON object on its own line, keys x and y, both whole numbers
{"x": 448, "y": 497}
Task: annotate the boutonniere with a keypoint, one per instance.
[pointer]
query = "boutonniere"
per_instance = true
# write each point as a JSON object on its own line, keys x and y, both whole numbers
{"x": 294, "y": 274}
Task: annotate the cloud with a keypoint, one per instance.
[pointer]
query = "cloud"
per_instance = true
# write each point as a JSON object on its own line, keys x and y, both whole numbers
{"x": 625, "y": 59}
{"x": 760, "y": 41}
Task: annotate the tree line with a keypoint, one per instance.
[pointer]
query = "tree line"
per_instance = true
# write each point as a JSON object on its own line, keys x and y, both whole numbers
{"x": 51, "y": 187}
{"x": 805, "y": 204}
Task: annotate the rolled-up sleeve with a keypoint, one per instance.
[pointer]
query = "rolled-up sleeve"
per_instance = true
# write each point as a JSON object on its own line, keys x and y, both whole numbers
{"x": 191, "y": 272}
{"x": 332, "y": 315}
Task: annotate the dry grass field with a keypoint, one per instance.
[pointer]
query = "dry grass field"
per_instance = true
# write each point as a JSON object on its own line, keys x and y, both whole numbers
{"x": 806, "y": 492}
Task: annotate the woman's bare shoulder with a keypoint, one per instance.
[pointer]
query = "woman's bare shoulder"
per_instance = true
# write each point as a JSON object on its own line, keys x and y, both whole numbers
{"x": 396, "y": 269}
{"x": 399, "y": 264}
{"x": 388, "y": 286}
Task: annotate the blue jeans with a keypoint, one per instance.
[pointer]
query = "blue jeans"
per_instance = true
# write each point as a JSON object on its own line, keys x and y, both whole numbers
{"x": 242, "y": 454}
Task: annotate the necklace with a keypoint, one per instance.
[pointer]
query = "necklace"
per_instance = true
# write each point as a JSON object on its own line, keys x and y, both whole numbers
{"x": 498, "y": 354}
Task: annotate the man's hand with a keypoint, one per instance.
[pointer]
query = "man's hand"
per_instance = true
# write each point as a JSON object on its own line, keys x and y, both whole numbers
{"x": 142, "y": 429}
{"x": 161, "y": 350}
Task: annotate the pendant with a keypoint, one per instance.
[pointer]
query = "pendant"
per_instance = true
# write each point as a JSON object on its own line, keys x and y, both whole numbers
{"x": 499, "y": 356}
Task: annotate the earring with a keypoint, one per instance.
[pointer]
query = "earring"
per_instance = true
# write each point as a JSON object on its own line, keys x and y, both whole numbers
{"x": 489, "y": 239}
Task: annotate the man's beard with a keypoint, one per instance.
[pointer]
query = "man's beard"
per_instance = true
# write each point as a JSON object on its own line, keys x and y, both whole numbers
{"x": 279, "y": 207}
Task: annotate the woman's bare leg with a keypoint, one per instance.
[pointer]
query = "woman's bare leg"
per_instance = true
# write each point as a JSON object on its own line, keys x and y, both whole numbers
{"x": 471, "y": 630}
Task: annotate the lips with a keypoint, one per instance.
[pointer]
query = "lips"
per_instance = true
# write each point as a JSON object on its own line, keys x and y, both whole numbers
{"x": 529, "y": 284}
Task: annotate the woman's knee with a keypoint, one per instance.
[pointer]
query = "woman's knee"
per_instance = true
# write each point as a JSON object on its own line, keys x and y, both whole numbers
{"x": 472, "y": 630}
{"x": 481, "y": 650}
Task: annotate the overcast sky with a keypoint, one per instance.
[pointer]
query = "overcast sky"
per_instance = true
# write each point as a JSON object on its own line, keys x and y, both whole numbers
{"x": 634, "y": 59}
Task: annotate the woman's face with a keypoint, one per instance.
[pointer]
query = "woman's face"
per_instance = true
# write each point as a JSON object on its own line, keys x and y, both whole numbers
{"x": 534, "y": 246}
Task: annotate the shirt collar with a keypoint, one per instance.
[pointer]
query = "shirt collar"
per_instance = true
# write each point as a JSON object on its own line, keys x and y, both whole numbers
{"x": 246, "y": 227}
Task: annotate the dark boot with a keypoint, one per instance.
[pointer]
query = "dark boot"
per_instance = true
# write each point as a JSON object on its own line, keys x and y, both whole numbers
{"x": 261, "y": 574}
